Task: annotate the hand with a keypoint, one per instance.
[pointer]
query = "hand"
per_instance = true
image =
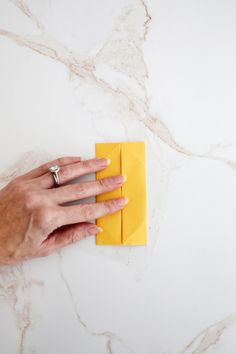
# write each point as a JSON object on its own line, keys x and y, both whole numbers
{"x": 34, "y": 220}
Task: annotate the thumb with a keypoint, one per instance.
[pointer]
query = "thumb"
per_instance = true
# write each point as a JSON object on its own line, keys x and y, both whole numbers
{"x": 67, "y": 235}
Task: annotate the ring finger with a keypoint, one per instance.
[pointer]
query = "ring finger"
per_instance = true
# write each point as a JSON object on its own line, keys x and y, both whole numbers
{"x": 39, "y": 171}
{"x": 72, "y": 171}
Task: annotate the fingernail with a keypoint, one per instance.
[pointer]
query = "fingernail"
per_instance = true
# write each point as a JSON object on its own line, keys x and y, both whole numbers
{"x": 96, "y": 229}
{"x": 104, "y": 162}
{"x": 120, "y": 179}
{"x": 122, "y": 202}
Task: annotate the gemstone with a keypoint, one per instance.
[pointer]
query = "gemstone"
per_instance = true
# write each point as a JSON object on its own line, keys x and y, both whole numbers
{"x": 54, "y": 169}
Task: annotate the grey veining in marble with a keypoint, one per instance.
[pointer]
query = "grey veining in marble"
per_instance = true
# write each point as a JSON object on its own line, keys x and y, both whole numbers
{"x": 158, "y": 71}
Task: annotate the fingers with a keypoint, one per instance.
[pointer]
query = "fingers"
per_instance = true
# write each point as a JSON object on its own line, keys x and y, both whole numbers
{"x": 61, "y": 161}
{"x": 68, "y": 235}
{"x": 72, "y": 171}
{"x": 85, "y": 212}
{"x": 85, "y": 189}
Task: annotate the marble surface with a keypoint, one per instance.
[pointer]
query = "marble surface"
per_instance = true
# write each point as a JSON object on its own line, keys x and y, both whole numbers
{"x": 94, "y": 71}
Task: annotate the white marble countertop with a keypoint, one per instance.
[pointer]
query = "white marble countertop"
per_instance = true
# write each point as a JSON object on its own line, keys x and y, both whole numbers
{"x": 76, "y": 72}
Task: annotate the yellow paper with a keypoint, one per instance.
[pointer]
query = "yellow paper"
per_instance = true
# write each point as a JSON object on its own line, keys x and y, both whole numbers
{"x": 127, "y": 226}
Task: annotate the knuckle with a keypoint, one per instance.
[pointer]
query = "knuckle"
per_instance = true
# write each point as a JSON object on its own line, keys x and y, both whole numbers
{"x": 103, "y": 183}
{"x": 81, "y": 190}
{"x": 91, "y": 230}
{"x": 42, "y": 216}
{"x": 78, "y": 235}
{"x": 87, "y": 212}
{"x": 25, "y": 193}
{"x": 87, "y": 165}
{"x": 111, "y": 206}
{"x": 29, "y": 198}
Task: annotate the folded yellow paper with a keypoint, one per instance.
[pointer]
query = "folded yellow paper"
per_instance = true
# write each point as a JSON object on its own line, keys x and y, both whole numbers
{"x": 128, "y": 226}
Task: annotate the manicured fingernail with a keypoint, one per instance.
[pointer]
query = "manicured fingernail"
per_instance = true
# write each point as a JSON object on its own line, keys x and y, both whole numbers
{"x": 120, "y": 179}
{"x": 122, "y": 202}
{"x": 108, "y": 161}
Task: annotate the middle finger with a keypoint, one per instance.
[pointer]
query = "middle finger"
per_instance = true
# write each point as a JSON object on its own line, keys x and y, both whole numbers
{"x": 82, "y": 190}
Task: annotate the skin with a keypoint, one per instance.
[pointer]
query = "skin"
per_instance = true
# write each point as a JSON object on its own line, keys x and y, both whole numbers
{"x": 35, "y": 221}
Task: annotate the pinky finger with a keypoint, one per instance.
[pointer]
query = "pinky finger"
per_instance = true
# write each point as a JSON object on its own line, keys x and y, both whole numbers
{"x": 67, "y": 235}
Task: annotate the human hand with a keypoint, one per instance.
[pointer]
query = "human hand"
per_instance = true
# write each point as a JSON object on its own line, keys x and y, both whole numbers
{"x": 34, "y": 218}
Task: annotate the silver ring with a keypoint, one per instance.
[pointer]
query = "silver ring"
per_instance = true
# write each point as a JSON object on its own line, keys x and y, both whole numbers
{"x": 55, "y": 172}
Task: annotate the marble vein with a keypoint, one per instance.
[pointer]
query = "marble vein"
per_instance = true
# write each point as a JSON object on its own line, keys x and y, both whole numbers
{"x": 23, "y": 164}
{"x": 211, "y": 155}
{"x": 109, "y": 336}
{"x": 209, "y": 337}
{"x": 22, "y": 6}
{"x": 132, "y": 97}
{"x": 86, "y": 69}
{"x": 14, "y": 291}
{"x": 148, "y": 19}
{"x": 112, "y": 54}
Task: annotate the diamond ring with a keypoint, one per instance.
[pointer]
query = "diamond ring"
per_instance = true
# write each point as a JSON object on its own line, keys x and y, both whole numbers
{"x": 55, "y": 172}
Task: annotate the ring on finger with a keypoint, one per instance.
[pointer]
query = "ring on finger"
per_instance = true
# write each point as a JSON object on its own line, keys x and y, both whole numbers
{"x": 55, "y": 172}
